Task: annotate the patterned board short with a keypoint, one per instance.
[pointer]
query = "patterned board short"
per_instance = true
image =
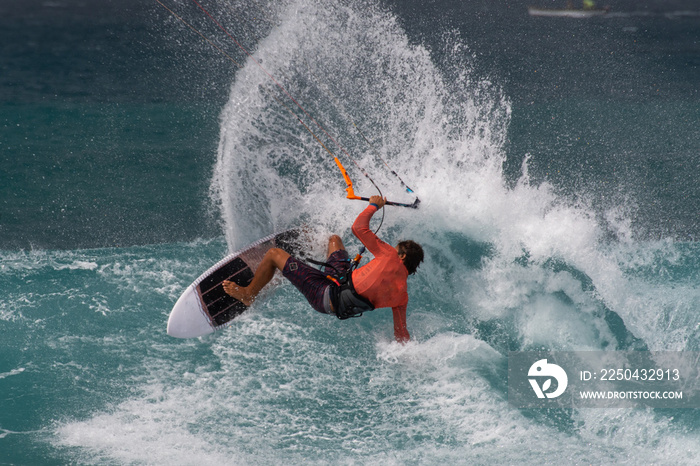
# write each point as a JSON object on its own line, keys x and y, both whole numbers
{"x": 313, "y": 282}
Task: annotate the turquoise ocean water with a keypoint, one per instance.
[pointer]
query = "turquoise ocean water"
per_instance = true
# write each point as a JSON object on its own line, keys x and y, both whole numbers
{"x": 556, "y": 161}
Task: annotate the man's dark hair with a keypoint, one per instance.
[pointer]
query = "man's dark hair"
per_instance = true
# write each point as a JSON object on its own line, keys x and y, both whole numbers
{"x": 414, "y": 255}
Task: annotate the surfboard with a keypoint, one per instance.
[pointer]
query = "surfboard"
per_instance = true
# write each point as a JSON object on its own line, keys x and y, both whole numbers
{"x": 204, "y": 306}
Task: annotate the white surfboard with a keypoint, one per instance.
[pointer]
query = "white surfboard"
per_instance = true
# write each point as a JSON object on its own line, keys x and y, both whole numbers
{"x": 204, "y": 306}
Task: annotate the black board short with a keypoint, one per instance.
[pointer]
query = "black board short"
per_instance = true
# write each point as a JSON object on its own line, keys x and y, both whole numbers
{"x": 313, "y": 282}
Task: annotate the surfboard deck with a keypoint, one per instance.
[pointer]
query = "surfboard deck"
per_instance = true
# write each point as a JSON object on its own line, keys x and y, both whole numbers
{"x": 204, "y": 306}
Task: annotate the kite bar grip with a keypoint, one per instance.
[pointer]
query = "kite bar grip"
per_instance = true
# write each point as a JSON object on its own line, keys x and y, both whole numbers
{"x": 397, "y": 204}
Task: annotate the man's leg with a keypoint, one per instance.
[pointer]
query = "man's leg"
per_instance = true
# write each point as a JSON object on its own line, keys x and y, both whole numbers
{"x": 337, "y": 257}
{"x": 334, "y": 244}
{"x": 274, "y": 259}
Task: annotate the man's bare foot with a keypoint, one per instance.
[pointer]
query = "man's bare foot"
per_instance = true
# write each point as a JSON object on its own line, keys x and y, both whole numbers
{"x": 238, "y": 292}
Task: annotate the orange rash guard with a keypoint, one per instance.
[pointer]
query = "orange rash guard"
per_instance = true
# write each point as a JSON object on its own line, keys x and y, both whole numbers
{"x": 383, "y": 279}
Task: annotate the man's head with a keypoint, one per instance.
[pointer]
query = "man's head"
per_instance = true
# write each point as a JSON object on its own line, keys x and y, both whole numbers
{"x": 412, "y": 255}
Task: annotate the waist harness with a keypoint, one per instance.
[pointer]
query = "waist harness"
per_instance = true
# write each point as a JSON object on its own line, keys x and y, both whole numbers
{"x": 345, "y": 301}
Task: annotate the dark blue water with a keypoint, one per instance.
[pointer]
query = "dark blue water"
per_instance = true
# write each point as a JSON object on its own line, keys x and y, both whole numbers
{"x": 556, "y": 160}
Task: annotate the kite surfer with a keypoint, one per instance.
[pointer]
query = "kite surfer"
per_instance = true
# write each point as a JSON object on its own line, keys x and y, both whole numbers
{"x": 340, "y": 290}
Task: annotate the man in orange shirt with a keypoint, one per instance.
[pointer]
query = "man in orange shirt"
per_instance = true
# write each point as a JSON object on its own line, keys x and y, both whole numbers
{"x": 339, "y": 290}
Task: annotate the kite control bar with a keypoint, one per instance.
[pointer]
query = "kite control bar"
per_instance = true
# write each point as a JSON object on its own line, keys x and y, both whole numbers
{"x": 352, "y": 195}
